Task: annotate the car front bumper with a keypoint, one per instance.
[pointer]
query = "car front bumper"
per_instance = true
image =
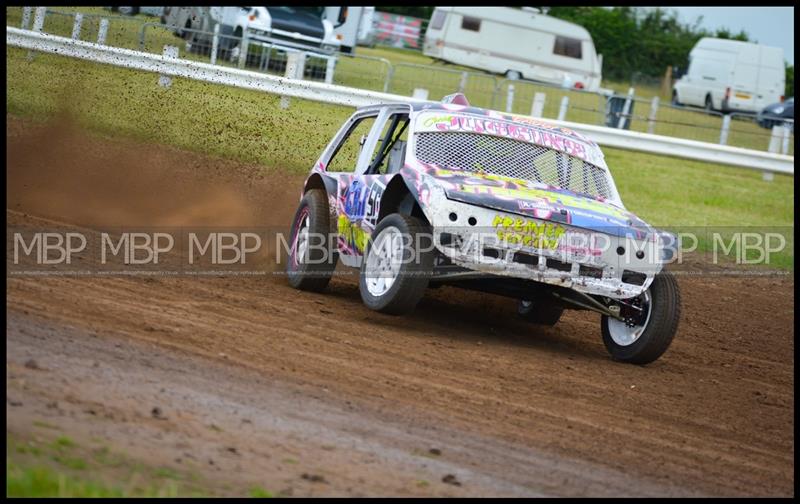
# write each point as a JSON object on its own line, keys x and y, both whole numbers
{"x": 501, "y": 243}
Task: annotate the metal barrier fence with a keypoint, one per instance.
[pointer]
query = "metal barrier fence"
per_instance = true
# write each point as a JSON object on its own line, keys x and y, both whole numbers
{"x": 363, "y": 72}
{"x": 482, "y": 89}
{"x": 485, "y": 90}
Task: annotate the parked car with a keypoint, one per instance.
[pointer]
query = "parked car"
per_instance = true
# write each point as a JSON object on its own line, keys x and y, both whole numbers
{"x": 731, "y": 76}
{"x": 298, "y": 28}
{"x": 777, "y": 114}
{"x": 420, "y": 194}
{"x": 518, "y": 43}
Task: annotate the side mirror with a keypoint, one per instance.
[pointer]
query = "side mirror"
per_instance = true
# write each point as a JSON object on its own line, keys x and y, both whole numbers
{"x": 342, "y": 17}
{"x": 678, "y": 72}
{"x": 362, "y": 140}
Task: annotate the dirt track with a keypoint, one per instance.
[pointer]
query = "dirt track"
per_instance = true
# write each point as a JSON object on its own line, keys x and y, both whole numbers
{"x": 362, "y": 397}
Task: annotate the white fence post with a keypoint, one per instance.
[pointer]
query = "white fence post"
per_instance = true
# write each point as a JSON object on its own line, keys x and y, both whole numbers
{"x": 626, "y": 109}
{"x": 726, "y": 126}
{"x": 330, "y": 66}
{"x": 169, "y": 52}
{"x": 775, "y": 139}
{"x": 244, "y": 48}
{"x": 562, "y": 111}
{"x": 651, "y": 121}
{"x": 462, "y": 84}
{"x": 786, "y": 137}
{"x": 215, "y": 44}
{"x": 38, "y": 24}
{"x": 26, "y": 17}
{"x": 102, "y": 33}
{"x": 420, "y": 94}
{"x": 295, "y": 65}
{"x": 76, "y": 26}
{"x": 38, "y": 18}
{"x": 774, "y": 147}
{"x": 510, "y": 98}
{"x": 537, "y": 109}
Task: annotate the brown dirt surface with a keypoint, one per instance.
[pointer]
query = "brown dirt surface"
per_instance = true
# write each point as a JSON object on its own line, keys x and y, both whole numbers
{"x": 314, "y": 394}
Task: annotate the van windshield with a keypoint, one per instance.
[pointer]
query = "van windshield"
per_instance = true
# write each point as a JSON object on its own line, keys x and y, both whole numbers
{"x": 314, "y": 11}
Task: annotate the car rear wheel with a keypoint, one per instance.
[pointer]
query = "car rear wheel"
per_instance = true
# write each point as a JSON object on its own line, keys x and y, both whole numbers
{"x": 541, "y": 313}
{"x": 312, "y": 257}
{"x": 397, "y": 265}
{"x": 651, "y": 321}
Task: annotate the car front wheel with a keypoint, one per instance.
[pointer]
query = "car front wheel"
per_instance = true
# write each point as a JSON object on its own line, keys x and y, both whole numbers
{"x": 651, "y": 321}
{"x": 397, "y": 265}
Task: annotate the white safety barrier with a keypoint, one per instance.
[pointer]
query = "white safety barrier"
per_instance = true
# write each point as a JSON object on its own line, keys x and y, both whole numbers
{"x": 341, "y": 95}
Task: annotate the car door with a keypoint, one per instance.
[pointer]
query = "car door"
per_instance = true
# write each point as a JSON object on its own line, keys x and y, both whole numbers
{"x": 359, "y": 193}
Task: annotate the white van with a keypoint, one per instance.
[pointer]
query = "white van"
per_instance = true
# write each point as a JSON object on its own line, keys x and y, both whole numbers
{"x": 519, "y": 43}
{"x": 357, "y": 28}
{"x": 731, "y": 76}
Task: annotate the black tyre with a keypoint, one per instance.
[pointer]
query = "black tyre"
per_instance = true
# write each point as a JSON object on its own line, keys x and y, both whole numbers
{"x": 709, "y": 104}
{"x": 542, "y": 313}
{"x": 646, "y": 338}
{"x": 675, "y": 100}
{"x": 394, "y": 274}
{"x": 312, "y": 255}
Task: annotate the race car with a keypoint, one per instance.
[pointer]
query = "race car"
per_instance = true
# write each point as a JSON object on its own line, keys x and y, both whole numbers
{"x": 424, "y": 194}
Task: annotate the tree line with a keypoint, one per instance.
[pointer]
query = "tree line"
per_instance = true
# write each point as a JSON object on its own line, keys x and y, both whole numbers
{"x": 633, "y": 41}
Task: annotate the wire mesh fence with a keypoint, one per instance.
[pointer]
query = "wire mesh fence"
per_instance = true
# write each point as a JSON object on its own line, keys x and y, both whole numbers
{"x": 482, "y": 89}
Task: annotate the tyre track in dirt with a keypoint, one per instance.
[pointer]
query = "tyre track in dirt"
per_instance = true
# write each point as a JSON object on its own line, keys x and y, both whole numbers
{"x": 713, "y": 416}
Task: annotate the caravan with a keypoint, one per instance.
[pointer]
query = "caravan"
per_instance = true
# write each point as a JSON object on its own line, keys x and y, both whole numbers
{"x": 518, "y": 43}
{"x": 731, "y": 75}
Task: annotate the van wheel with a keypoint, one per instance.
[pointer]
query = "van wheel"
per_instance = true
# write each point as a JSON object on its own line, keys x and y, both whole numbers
{"x": 513, "y": 75}
{"x": 709, "y": 104}
{"x": 651, "y": 321}
{"x": 675, "y": 101}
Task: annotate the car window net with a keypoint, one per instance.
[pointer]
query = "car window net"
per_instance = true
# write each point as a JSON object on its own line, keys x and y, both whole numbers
{"x": 506, "y": 157}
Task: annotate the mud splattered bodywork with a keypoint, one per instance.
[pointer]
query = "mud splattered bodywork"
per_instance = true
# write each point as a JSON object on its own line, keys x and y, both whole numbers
{"x": 506, "y": 196}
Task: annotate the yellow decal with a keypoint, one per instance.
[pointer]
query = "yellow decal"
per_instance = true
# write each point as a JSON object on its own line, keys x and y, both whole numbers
{"x": 527, "y": 232}
{"x": 352, "y": 233}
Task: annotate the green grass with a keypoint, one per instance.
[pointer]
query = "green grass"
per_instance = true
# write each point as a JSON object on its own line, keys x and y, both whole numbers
{"x": 250, "y": 127}
{"x": 64, "y": 468}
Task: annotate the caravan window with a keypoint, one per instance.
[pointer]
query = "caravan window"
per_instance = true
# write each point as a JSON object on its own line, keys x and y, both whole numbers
{"x": 438, "y": 20}
{"x": 568, "y": 47}
{"x": 470, "y": 23}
